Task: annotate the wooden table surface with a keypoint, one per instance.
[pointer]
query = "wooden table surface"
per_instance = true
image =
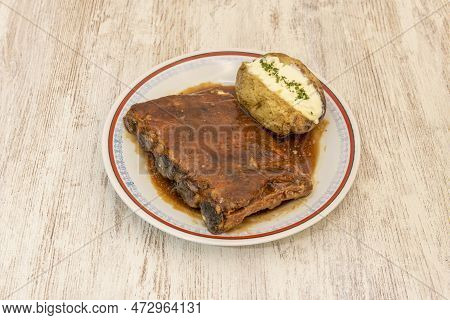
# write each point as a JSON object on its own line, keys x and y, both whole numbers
{"x": 65, "y": 234}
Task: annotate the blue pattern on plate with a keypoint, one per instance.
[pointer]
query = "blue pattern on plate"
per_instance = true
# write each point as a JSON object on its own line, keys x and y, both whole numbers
{"x": 303, "y": 211}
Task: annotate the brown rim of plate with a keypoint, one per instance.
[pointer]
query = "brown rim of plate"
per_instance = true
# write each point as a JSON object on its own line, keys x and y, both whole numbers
{"x": 211, "y": 236}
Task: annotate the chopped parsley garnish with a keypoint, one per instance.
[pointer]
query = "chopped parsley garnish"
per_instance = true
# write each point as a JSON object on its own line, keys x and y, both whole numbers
{"x": 292, "y": 86}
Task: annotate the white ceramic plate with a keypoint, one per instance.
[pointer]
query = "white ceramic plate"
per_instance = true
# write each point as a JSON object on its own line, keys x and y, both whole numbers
{"x": 334, "y": 173}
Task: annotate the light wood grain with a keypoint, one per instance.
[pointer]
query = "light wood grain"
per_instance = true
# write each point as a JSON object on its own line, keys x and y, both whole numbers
{"x": 62, "y": 65}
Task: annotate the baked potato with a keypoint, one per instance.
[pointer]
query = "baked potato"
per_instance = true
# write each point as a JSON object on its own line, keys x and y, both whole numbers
{"x": 281, "y": 93}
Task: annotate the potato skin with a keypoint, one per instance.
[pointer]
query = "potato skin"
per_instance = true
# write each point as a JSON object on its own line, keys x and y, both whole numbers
{"x": 268, "y": 108}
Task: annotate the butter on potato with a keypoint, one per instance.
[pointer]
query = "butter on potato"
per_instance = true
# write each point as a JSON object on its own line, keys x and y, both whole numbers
{"x": 281, "y": 93}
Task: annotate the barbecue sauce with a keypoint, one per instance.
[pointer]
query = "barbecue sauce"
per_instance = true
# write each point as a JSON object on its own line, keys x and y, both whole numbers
{"x": 308, "y": 145}
{"x": 165, "y": 190}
